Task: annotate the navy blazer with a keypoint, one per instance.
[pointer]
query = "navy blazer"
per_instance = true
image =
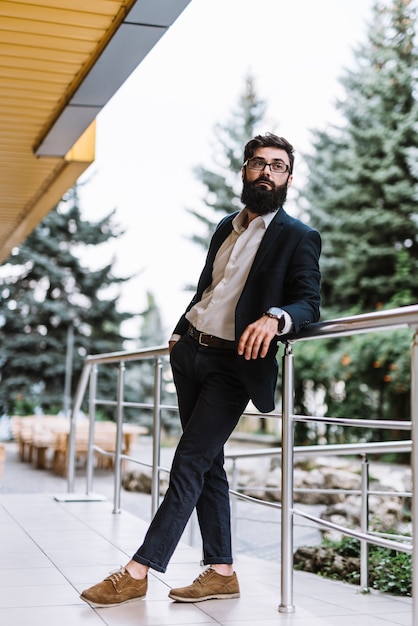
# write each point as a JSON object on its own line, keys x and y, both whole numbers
{"x": 285, "y": 273}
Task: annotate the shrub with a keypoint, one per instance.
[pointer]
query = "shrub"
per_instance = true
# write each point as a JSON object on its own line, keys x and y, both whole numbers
{"x": 389, "y": 570}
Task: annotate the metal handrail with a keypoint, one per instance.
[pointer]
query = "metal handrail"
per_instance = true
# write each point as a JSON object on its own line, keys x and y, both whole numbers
{"x": 403, "y": 317}
{"x": 390, "y": 319}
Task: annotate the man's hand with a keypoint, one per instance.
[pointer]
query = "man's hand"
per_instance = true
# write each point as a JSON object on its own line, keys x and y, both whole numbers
{"x": 256, "y": 338}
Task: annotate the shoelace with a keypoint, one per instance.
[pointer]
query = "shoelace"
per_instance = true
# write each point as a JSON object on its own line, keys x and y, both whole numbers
{"x": 117, "y": 574}
{"x": 203, "y": 574}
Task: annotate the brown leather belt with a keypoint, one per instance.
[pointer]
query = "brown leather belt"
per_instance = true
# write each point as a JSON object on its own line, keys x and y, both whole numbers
{"x": 210, "y": 341}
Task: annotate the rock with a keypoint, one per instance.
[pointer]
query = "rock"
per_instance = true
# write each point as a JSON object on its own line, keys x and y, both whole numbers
{"x": 141, "y": 482}
{"x": 388, "y": 514}
{"x": 314, "y": 477}
{"x": 322, "y": 558}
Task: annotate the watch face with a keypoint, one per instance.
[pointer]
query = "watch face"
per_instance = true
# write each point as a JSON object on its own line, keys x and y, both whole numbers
{"x": 278, "y": 313}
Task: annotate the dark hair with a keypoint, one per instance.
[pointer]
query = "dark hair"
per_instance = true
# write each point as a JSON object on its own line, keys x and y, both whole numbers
{"x": 269, "y": 141}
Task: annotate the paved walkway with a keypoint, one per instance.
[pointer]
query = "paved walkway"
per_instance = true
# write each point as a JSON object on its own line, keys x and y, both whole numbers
{"x": 32, "y": 521}
{"x": 51, "y": 551}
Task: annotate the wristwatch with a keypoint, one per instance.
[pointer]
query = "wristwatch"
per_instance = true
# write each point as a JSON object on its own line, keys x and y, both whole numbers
{"x": 277, "y": 314}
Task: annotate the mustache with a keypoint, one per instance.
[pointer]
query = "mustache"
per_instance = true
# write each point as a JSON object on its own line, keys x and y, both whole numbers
{"x": 262, "y": 179}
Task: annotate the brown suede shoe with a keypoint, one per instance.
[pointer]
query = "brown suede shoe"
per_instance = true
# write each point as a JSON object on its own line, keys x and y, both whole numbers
{"x": 118, "y": 588}
{"x": 208, "y": 586}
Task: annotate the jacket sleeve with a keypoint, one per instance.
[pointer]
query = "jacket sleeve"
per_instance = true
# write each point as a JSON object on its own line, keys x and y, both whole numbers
{"x": 303, "y": 282}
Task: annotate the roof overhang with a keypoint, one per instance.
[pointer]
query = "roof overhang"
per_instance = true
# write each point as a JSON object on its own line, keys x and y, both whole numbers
{"x": 59, "y": 66}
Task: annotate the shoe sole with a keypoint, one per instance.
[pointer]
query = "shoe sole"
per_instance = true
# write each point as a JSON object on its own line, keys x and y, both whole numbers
{"x": 100, "y": 605}
{"x": 215, "y": 596}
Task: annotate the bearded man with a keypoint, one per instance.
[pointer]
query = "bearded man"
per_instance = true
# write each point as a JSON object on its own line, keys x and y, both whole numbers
{"x": 260, "y": 282}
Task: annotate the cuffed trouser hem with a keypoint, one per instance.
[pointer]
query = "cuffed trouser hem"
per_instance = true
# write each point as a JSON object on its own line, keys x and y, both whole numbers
{"x": 150, "y": 564}
{"x": 218, "y": 560}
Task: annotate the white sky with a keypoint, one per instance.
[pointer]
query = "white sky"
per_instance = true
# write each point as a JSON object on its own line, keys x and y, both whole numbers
{"x": 160, "y": 124}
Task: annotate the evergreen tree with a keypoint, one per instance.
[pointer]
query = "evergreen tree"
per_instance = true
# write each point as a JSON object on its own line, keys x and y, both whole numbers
{"x": 222, "y": 194}
{"x": 45, "y": 294}
{"x": 361, "y": 194}
{"x": 362, "y": 186}
{"x": 152, "y": 332}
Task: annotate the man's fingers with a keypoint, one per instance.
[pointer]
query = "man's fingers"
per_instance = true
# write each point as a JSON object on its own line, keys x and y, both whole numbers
{"x": 250, "y": 345}
{"x": 243, "y": 341}
{"x": 250, "y": 348}
{"x": 256, "y": 338}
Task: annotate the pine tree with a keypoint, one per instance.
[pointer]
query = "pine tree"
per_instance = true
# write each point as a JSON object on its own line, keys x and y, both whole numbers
{"x": 152, "y": 333}
{"x": 361, "y": 194}
{"x": 222, "y": 194}
{"x": 46, "y": 292}
{"x": 362, "y": 186}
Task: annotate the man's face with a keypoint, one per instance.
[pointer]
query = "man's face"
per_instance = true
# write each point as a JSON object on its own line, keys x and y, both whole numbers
{"x": 265, "y": 191}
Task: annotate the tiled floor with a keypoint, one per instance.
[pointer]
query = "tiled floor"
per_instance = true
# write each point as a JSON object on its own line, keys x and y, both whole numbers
{"x": 52, "y": 550}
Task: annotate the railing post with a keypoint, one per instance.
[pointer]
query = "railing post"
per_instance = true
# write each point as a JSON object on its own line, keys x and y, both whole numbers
{"x": 286, "y": 605}
{"x": 155, "y": 486}
{"x": 414, "y": 462}
{"x": 92, "y": 417}
{"x": 81, "y": 388}
{"x": 364, "y": 546}
{"x": 119, "y": 436}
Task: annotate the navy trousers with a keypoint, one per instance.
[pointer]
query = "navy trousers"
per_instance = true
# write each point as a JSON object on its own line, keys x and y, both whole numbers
{"x": 211, "y": 399}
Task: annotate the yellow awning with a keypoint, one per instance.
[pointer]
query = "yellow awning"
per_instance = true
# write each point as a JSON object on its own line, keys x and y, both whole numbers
{"x": 60, "y": 63}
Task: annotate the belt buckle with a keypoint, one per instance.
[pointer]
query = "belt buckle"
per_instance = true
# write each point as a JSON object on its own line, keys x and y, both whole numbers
{"x": 206, "y": 345}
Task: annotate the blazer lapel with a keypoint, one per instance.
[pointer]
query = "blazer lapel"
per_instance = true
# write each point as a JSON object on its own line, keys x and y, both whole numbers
{"x": 219, "y": 236}
{"x": 273, "y": 231}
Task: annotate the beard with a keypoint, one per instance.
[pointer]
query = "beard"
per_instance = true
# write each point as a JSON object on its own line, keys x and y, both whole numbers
{"x": 260, "y": 200}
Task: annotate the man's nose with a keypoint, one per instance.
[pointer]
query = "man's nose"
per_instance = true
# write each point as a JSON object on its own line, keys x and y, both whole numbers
{"x": 263, "y": 171}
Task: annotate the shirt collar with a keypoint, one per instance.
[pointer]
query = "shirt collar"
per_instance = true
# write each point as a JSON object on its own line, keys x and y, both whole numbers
{"x": 240, "y": 219}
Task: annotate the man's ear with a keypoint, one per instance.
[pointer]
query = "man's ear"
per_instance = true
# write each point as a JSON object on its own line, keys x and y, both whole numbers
{"x": 289, "y": 180}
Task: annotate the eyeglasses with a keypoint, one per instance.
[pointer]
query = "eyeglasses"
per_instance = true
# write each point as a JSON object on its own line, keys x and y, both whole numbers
{"x": 276, "y": 167}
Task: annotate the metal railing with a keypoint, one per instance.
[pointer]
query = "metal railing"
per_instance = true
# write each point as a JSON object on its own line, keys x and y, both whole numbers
{"x": 404, "y": 317}
{"x": 352, "y": 450}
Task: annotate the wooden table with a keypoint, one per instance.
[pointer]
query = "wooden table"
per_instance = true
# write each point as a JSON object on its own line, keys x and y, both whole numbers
{"x": 36, "y": 435}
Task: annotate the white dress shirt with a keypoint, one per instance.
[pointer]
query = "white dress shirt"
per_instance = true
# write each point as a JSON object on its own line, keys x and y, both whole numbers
{"x": 214, "y": 314}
